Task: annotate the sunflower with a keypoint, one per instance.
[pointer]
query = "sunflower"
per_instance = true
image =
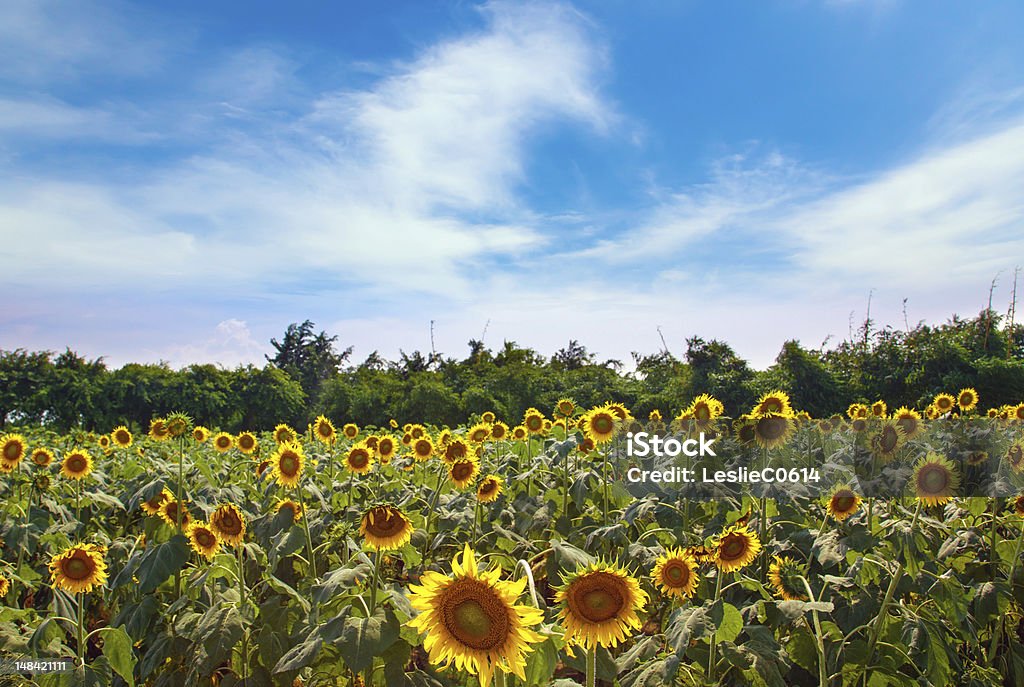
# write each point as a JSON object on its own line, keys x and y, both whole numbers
{"x": 533, "y": 420}
{"x": 1018, "y": 507}
{"x": 784, "y": 574}
{"x": 246, "y": 442}
{"x": 79, "y": 568}
{"x": 385, "y": 527}
{"x": 371, "y": 442}
{"x": 288, "y": 461}
{"x": 178, "y": 424}
{"x": 1018, "y": 412}
{"x": 586, "y": 446}
{"x": 600, "y": 605}
{"x": 488, "y": 417}
{"x": 76, "y": 465}
{"x": 152, "y": 506}
{"x": 909, "y": 420}
{"x": 992, "y": 413}
{"x": 463, "y": 472}
{"x": 519, "y": 432}
{"x": 104, "y": 442}
{"x": 283, "y": 434}
{"x": 1015, "y": 456}
{"x": 479, "y": 433}
{"x": 443, "y": 437}
{"x": 457, "y": 449}
{"x": 599, "y": 425}
{"x": 200, "y": 434}
{"x": 228, "y": 523}
{"x": 223, "y": 442}
{"x": 858, "y": 424}
{"x": 676, "y": 574}
{"x": 350, "y": 430}
{"x": 121, "y": 436}
{"x": 774, "y": 402}
{"x": 42, "y": 457}
{"x": 472, "y": 619}
{"x": 843, "y": 502}
{"x": 735, "y": 548}
{"x": 158, "y": 430}
{"x": 654, "y": 415}
{"x": 856, "y": 410}
{"x": 203, "y": 540}
{"x": 772, "y": 430}
{"x": 705, "y": 408}
{"x": 499, "y": 431}
{"x": 944, "y": 403}
{"x": 407, "y": 439}
{"x": 324, "y": 430}
{"x": 12, "y": 449}
{"x": 744, "y": 427}
{"x": 977, "y": 457}
{"x": 888, "y": 440}
{"x": 359, "y": 459}
{"x": 489, "y": 489}
{"x": 879, "y": 408}
{"x": 565, "y": 407}
{"x": 386, "y": 449}
{"x": 5, "y": 586}
{"x": 169, "y": 513}
{"x": 423, "y": 447}
{"x": 417, "y": 431}
{"x": 288, "y": 505}
{"x": 935, "y": 480}
{"x": 393, "y": 423}
{"x": 967, "y": 399}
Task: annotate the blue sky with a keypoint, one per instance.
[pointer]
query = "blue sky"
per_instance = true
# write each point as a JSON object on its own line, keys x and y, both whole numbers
{"x": 181, "y": 185}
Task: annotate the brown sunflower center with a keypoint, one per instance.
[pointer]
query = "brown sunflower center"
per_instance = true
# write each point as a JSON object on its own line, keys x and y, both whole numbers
{"x": 676, "y": 573}
{"x": 76, "y": 463}
{"x": 535, "y": 422}
{"x": 423, "y": 447}
{"x": 12, "y": 451}
{"x": 223, "y": 442}
{"x": 933, "y": 479}
{"x": 771, "y": 428}
{"x": 462, "y": 471}
{"x": 205, "y": 538}
{"x": 597, "y": 597}
{"x": 732, "y": 547}
{"x": 944, "y": 403}
{"x": 702, "y": 412}
{"x": 889, "y": 439}
{"x": 474, "y": 615}
{"x": 480, "y": 434}
{"x": 386, "y": 447}
{"x": 246, "y": 442}
{"x": 121, "y": 437}
{"x": 383, "y": 522}
{"x": 603, "y": 424}
{"x": 909, "y": 424}
{"x": 289, "y": 464}
{"x": 358, "y": 459}
{"x": 772, "y": 405}
{"x": 843, "y": 502}
{"x": 78, "y": 567}
{"x": 488, "y": 486}
{"x": 230, "y": 523}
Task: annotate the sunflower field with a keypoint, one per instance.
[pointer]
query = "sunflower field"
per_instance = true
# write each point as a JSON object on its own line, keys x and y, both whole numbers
{"x": 884, "y": 550}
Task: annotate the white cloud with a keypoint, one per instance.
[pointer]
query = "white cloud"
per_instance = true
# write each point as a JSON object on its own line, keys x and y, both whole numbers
{"x": 230, "y": 344}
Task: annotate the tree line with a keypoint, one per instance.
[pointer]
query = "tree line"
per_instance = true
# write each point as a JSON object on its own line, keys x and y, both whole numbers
{"x": 309, "y": 375}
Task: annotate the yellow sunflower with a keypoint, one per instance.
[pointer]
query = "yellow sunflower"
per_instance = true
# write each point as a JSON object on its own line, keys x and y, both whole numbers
{"x": 288, "y": 462}
{"x": 843, "y": 502}
{"x": 294, "y": 507}
{"x": 229, "y": 524}
{"x": 654, "y": 415}
{"x": 350, "y": 430}
{"x": 223, "y": 442}
{"x": 479, "y": 433}
{"x": 104, "y": 442}
{"x": 203, "y": 540}
{"x": 675, "y": 573}
{"x": 909, "y": 420}
{"x": 600, "y": 605}
{"x": 600, "y": 424}
{"x": 246, "y": 442}
{"x": 12, "y": 449}
{"x": 283, "y": 434}
{"x": 386, "y": 449}
{"x": 784, "y": 574}
{"x": 1018, "y": 506}
{"x": 42, "y": 457}
{"x": 735, "y": 548}
{"x": 489, "y": 489}
{"x": 519, "y": 432}
{"x": 488, "y": 417}
{"x": 889, "y": 439}
{"x": 472, "y": 620}
{"x": 1015, "y": 456}
{"x": 772, "y": 430}
{"x": 935, "y": 480}
{"x": 158, "y": 429}
{"x": 705, "y": 408}
{"x": 5, "y": 586}
{"x": 463, "y": 472}
{"x": 499, "y": 431}
{"x": 967, "y": 399}
{"x": 121, "y": 436}
{"x": 879, "y": 409}
{"x": 422, "y": 447}
{"x": 774, "y": 403}
{"x": 200, "y": 434}
{"x": 385, "y": 527}
{"x": 1018, "y": 412}
{"x": 944, "y": 403}
{"x": 359, "y": 459}
{"x": 857, "y": 410}
{"x": 533, "y": 420}
{"x": 744, "y": 427}
{"x": 586, "y": 446}
{"x": 76, "y": 465}
{"x": 324, "y": 430}
{"x": 565, "y": 407}
{"x": 417, "y": 431}
{"x": 79, "y": 568}
{"x": 152, "y": 506}
{"x": 457, "y": 449}
{"x": 169, "y": 513}
{"x": 977, "y": 457}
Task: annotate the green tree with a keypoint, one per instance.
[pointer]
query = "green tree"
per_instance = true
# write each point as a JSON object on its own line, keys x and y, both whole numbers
{"x": 308, "y": 358}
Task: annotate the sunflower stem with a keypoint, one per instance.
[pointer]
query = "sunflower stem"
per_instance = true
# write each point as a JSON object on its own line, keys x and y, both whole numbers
{"x": 592, "y": 666}
{"x": 997, "y": 633}
{"x": 80, "y": 646}
{"x": 714, "y": 644}
{"x": 876, "y": 631}
{"x": 309, "y": 539}
{"x": 242, "y": 609}
{"x": 604, "y": 478}
{"x": 430, "y": 516}
{"x": 78, "y": 501}
{"x": 819, "y": 638}
{"x": 994, "y": 562}
{"x": 376, "y": 579}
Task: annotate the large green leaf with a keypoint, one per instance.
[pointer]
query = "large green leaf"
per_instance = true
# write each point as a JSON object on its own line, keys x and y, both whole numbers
{"x": 161, "y": 562}
{"x": 117, "y": 647}
{"x": 362, "y": 639}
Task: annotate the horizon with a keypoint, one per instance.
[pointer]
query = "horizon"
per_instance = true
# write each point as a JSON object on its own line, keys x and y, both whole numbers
{"x": 183, "y": 183}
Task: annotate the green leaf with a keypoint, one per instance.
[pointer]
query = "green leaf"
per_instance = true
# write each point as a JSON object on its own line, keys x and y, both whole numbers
{"x": 541, "y": 663}
{"x": 216, "y": 634}
{"x": 340, "y": 580}
{"x": 301, "y": 655}
{"x": 803, "y": 651}
{"x": 362, "y": 639}
{"x": 161, "y": 562}
{"x": 729, "y": 622}
{"x": 117, "y": 647}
